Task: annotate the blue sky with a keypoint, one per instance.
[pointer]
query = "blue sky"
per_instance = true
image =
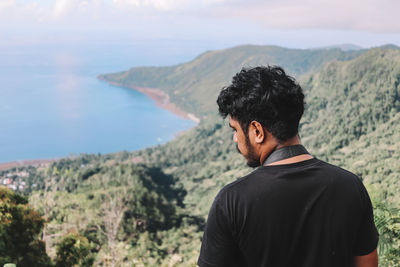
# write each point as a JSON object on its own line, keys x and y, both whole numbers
{"x": 290, "y": 23}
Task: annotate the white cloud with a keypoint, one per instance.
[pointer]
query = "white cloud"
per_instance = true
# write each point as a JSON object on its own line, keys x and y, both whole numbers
{"x": 83, "y": 6}
{"x": 352, "y": 15}
{"x": 6, "y": 4}
{"x": 365, "y": 15}
{"x": 168, "y": 5}
{"x": 63, "y": 8}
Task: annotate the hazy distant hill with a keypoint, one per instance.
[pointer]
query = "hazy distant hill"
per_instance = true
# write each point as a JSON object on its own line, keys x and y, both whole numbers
{"x": 193, "y": 84}
{"x": 344, "y": 47}
{"x": 390, "y": 46}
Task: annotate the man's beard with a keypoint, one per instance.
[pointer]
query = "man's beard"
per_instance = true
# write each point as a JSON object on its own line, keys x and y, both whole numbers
{"x": 252, "y": 160}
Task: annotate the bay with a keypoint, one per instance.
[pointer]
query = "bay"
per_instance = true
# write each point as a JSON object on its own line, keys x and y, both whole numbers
{"x": 53, "y": 105}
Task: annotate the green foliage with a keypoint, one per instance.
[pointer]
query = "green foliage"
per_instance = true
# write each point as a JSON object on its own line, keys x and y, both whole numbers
{"x": 20, "y": 226}
{"x": 387, "y": 221}
{"x": 357, "y": 95}
{"x": 204, "y": 160}
{"x": 150, "y": 201}
{"x": 74, "y": 250}
{"x": 353, "y": 116}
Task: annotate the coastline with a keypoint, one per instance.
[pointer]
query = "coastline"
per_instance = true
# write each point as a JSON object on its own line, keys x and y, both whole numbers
{"x": 22, "y": 163}
{"x": 160, "y": 98}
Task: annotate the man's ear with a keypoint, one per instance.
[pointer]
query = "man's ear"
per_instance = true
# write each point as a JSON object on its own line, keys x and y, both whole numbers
{"x": 257, "y": 130}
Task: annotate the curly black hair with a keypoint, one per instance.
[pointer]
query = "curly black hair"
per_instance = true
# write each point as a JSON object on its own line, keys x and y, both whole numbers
{"x": 267, "y": 95}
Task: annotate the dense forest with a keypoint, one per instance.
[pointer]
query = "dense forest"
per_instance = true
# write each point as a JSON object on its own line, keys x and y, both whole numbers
{"x": 149, "y": 207}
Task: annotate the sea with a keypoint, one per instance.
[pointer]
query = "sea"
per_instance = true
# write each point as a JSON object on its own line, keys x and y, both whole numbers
{"x": 52, "y": 105}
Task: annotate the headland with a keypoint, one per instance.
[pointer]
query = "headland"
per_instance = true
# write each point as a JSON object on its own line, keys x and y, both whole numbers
{"x": 160, "y": 98}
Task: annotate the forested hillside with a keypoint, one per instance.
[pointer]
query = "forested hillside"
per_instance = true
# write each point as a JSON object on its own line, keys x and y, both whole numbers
{"x": 352, "y": 119}
{"x": 357, "y": 103}
{"x": 126, "y": 213}
{"x": 192, "y": 85}
{"x": 148, "y": 207}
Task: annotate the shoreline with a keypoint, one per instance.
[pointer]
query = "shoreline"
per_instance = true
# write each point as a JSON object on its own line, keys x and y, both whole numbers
{"x": 160, "y": 98}
{"x": 23, "y": 163}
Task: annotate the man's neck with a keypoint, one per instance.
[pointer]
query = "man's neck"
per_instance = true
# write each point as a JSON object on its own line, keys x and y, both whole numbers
{"x": 292, "y": 160}
{"x": 291, "y": 142}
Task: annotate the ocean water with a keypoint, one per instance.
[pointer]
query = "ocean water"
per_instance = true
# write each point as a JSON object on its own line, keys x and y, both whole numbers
{"x": 52, "y": 104}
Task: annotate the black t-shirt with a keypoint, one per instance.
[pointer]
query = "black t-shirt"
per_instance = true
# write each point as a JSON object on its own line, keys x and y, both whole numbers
{"x": 307, "y": 214}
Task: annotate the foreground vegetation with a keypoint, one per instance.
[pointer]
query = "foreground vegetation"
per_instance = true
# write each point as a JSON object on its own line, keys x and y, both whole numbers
{"x": 148, "y": 208}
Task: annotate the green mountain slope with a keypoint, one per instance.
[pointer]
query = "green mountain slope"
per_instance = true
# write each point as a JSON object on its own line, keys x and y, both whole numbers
{"x": 348, "y": 104}
{"x": 358, "y": 96}
{"x": 344, "y": 47}
{"x": 194, "y": 85}
{"x": 347, "y": 101}
{"x": 128, "y": 212}
{"x": 352, "y": 119}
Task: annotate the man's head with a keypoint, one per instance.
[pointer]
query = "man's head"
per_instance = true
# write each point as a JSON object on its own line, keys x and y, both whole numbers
{"x": 263, "y": 103}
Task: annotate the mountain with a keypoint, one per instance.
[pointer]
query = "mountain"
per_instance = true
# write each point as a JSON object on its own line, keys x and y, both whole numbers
{"x": 344, "y": 47}
{"x": 359, "y": 95}
{"x": 352, "y": 113}
{"x": 352, "y": 119}
{"x": 191, "y": 85}
{"x": 390, "y": 46}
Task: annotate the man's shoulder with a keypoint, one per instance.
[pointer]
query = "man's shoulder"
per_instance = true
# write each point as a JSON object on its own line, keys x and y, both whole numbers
{"x": 243, "y": 186}
{"x": 233, "y": 186}
{"x": 340, "y": 174}
{"x": 333, "y": 174}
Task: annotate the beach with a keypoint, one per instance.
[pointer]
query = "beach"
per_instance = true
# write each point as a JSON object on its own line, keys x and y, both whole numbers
{"x": 160, "y": 98}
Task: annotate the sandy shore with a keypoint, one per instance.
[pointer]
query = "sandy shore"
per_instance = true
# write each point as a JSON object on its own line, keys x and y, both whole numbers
{"x": 20, "y": 163}
{"x": 160, "y": 98}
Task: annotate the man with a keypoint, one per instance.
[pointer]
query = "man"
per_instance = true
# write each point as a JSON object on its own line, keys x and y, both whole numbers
{"x": 294, "y": 210}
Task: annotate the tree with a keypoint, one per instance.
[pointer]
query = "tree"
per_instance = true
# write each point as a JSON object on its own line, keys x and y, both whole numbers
{"x": 387, "y": 221}
{"x": 50, "y": 190}
{"x": 20, "y": 227}
{"x": 113, "y": 210}
{"x": 74, "y": 250}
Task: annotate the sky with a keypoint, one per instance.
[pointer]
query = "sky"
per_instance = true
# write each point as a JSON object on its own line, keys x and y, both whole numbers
{"x": 214, "y": 23}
